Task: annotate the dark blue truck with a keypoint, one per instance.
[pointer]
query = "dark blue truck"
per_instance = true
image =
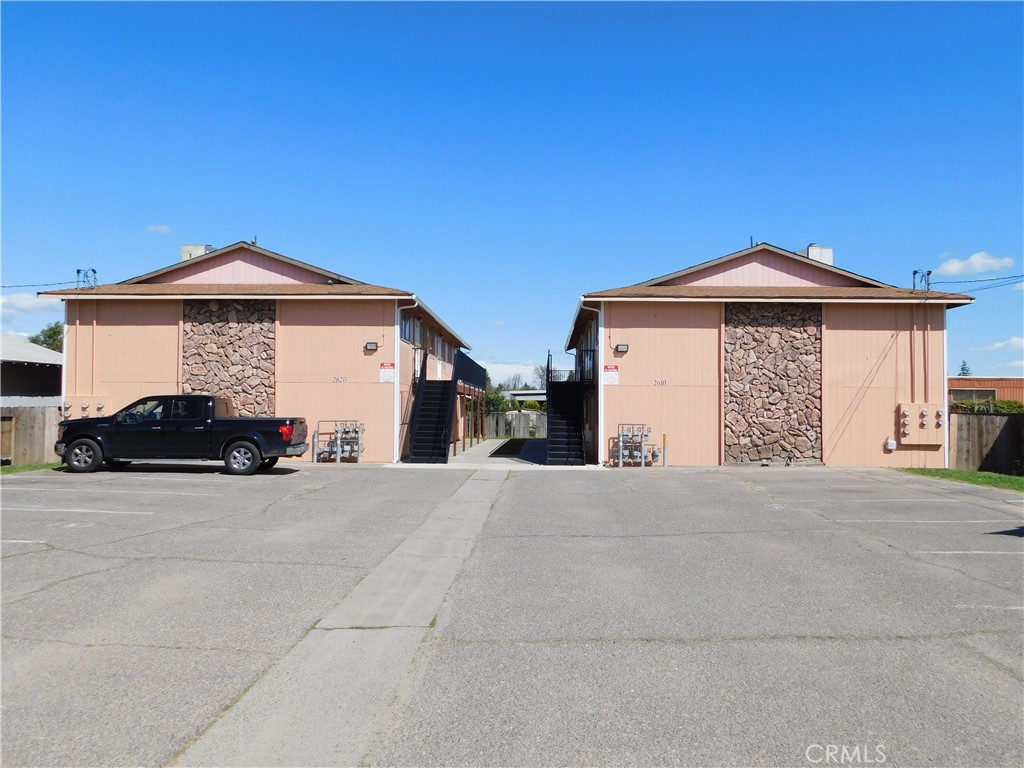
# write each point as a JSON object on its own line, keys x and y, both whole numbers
{"x": 180, "y": 427}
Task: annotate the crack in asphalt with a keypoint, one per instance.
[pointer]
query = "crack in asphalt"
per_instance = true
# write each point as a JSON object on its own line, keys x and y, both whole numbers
{"x": 151, "y": 646}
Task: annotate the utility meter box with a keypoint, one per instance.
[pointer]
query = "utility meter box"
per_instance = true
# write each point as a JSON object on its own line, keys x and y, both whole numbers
{"x": 921, "y": 423}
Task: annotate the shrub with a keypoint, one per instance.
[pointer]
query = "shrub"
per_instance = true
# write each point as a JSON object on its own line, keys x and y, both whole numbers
{"x": 987, "y": 406}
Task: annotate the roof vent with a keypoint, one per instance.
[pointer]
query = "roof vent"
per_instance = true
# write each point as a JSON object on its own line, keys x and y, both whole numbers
{"x": 191, "y": 251}
{"x": 819, "y": 253}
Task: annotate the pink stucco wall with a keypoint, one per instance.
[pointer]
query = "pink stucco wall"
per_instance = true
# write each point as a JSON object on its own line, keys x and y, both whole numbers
{"x": 237, "y": 267}
{"x": 875, "y": 358}
{"x": 765, "y": 269}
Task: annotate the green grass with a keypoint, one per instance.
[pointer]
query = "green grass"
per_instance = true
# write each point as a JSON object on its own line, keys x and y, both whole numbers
{"x": 990, "y": 479}
{"x": 27, "y": 468}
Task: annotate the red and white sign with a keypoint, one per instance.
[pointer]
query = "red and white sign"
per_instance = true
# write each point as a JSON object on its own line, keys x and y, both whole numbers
{"x": 387, "y": 371}
{"x": 611, "y": 374}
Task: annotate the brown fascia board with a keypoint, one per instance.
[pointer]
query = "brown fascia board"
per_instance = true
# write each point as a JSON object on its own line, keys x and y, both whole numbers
{"x": 159, "y": 291}
{"x": 755, "y": 249}
{"x": 420, "y": 304}
{"x": 817, "y": 294}
{"x": 242, "y": 244}
{"x": 822, "y": 295}
{"x": 220, "y": 290}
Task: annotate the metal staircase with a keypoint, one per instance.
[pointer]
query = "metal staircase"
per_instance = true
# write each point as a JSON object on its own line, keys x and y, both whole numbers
{"x": 433, "y": 410}
{"x": 566, "y": 391}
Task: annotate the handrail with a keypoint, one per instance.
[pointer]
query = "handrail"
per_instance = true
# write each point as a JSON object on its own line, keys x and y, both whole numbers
{"x": 583, "y": 372}
{"x": 466, "y": 370}
{"x": 414, "y": 417}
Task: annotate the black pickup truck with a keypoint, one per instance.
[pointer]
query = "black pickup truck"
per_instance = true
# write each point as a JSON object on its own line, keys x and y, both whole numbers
{"x": 179, "y": 427}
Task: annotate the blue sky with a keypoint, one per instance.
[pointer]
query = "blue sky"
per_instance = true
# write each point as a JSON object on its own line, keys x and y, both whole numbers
{"x": 502, "y": 159}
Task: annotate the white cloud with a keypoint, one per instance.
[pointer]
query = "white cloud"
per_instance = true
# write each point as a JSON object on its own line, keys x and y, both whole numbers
{"x": 160, "y": 229}
{"x": 1011, "y": 364}
{"x": 500, "y": 323}
{"x": 17, "y": 304}
{"x": 500, "y": 372}
{"x": 1019, "y": 286}
{"x": 975, "y": 264}
{"x": 1014, "y": 342}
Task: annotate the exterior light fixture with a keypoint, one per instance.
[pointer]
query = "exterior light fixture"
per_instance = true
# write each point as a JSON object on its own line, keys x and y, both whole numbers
{"x": 622, "y": 348}
{"x": 371, "y": 346}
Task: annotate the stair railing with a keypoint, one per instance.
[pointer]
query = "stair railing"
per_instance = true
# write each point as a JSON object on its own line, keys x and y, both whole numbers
{"x": 414, "y": 417}
{"x": 467, "y": 371}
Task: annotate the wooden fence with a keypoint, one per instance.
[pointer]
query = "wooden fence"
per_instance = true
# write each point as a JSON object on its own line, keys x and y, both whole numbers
{"x": 517, "y": 424}
{"x": 27, "y": 435}
{"x": 990, "y": 442}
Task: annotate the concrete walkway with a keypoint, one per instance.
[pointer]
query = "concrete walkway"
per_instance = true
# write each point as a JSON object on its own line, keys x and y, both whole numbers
{"x": 352, "y": 661}
{"x": 533, "y": 456}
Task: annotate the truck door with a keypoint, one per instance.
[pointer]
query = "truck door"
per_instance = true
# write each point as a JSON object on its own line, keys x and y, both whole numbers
{"x": 187, "y": 430}
{"x": 138, "y": 429}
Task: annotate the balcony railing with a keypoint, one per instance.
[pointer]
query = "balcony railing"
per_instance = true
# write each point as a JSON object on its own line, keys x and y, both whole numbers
{"x": 583, "y": 372}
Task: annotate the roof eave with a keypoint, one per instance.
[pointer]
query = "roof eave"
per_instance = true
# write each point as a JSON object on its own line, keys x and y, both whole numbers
{"x": 791, "y": 299}
{"x": 437, "y": 319}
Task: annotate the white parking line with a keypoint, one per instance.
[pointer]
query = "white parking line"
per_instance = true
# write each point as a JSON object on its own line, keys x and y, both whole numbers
{"x": 1003, "y": 520}
{"x": 90, "y": 511}
{"x": 104, "y": 490}
{"x": 21, "y": 541}
{"x": 964, "y": 552}
{"x": 993, "y": 607}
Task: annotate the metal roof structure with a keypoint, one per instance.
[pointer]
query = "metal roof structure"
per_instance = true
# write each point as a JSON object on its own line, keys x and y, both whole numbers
{"x": 15, "y": 349}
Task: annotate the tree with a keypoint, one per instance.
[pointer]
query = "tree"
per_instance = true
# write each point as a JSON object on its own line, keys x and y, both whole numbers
{"x": 965, "y": 369}
{"x": 51, "y": 337}
{"x": 515, "y": 381}
{"x": 540, "y": 374}
{"x": 495, "y": 400}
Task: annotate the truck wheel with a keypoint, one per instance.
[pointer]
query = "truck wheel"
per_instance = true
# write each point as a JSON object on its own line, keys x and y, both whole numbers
{"x": 242, "y": 458}
{"x": 84, "y": 455}
{"x": 268, "y": 463}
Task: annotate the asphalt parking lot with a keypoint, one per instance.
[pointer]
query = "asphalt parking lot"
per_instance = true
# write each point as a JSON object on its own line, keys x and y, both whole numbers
{"x": 502, "y": 615}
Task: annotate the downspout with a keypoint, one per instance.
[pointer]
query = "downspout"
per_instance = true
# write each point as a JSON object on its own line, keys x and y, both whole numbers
{"x": 598, "y": 372}
{"x": 945, "y": 390}
{"x": 397, "y": 455}
{"x": 924, "y": 350}
{"x": 64, "y": 364}
{"x": 913, "y": 356}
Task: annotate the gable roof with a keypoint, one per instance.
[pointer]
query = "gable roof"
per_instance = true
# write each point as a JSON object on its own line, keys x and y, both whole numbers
{"x": 334, "y": 286}
{"x": 774, "y": 249}
{"x": 328, "y": 275}
{"x": 866, "y": 291}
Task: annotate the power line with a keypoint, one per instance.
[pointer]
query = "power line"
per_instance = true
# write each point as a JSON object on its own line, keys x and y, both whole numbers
{"x": 39, "y": 285}
{"x": 979, "y": 280}
{"x": 1009, "y": 281}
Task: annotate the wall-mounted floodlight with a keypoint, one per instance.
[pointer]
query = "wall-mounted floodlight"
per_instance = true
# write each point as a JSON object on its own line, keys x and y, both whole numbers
{"x": 371, "y": 346}
{"x": 622, "y": 348}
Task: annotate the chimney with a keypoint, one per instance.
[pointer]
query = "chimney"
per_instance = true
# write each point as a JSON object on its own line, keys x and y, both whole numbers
{"x": 819, "y": 253}
{"x": 191, "y": 251}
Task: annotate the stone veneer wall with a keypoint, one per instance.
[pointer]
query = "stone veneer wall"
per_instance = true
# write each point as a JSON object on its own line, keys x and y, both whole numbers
{"x": 228, "y": 348}
{"x": 772, "y": 382}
